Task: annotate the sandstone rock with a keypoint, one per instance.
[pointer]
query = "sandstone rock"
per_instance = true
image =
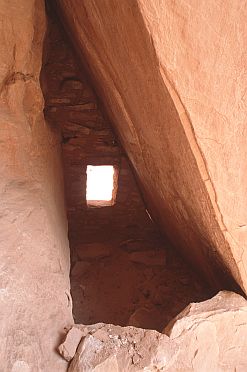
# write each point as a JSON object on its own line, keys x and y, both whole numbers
{"x": 223, "y": 302}
{"x": 93, "y": 251}
{"x": 68, "y": 348}
{"x": 109, "y": 348}
{"x": 212, "y": 334}
{"x": 207, "y": 336}
{"x": 149, "y": 258}
{"x": 34, "y": 254}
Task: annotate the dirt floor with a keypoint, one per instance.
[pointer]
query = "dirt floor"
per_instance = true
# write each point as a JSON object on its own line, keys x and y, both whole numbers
{"x": 134, "y": 282}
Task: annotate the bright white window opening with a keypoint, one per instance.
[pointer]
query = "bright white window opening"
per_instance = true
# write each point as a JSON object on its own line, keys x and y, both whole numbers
{"x": 100, "y": 185}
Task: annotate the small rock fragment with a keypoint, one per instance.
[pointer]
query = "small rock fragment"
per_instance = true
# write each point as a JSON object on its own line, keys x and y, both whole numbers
{"x": 68, "y": 348}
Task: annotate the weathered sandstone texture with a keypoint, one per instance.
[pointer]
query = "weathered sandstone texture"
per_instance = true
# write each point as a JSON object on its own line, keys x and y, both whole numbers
{"x": 108, "y": 348}
{"x": 211, "y": 335}
{"x": 35, "y": 303}
{"x": 207, "y": 336}
{"x": 172, "y": 77}
{"x": 68, "y": 348}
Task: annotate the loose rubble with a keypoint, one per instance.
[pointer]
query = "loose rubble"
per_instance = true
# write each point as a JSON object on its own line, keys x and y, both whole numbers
{"x": 206, "y": 336}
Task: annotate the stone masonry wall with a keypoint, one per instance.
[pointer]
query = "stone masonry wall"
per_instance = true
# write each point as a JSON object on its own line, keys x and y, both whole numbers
{"x": 87, "y": 139}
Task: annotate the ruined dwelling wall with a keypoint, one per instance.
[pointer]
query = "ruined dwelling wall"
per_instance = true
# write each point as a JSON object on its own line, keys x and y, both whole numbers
{"x": 154, "y": 67}
{"x": 35, "y": 303}
{"x": 88, "y": 139}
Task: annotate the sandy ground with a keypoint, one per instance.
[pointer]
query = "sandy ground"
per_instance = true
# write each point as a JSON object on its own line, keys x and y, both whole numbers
{"x": 136, "y": 283}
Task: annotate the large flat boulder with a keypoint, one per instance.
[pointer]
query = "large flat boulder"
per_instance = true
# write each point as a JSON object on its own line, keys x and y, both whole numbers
{"x": 212, "y": 334}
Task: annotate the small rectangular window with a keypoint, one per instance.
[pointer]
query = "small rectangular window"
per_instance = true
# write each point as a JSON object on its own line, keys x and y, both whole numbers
{"x": 101, "y": 185}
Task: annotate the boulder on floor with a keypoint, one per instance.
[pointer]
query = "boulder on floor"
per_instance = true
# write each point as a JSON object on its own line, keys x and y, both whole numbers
{"x": 206, "y": 336}
{"x": 108, "y": 348}
{"x": 212, "y": 334}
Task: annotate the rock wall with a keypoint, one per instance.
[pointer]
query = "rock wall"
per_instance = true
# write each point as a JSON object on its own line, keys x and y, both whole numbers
{"x": 172, "y": 79}
{"x": 35, "y": 303}
{"x": 88, "y": 139}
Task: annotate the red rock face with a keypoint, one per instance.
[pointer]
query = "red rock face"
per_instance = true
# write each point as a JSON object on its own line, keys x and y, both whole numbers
{"x": 35, "y": 302}
{"x": 171, "y": 78}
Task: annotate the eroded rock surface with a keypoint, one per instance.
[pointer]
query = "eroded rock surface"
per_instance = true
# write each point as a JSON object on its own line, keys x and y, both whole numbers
{"x": 212, "y": 334}
{"x": 106, "y": 347}
{"x": 68, "y": 348}
{"x": 206, "y": 336}
{"x": 35, "y": 304}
